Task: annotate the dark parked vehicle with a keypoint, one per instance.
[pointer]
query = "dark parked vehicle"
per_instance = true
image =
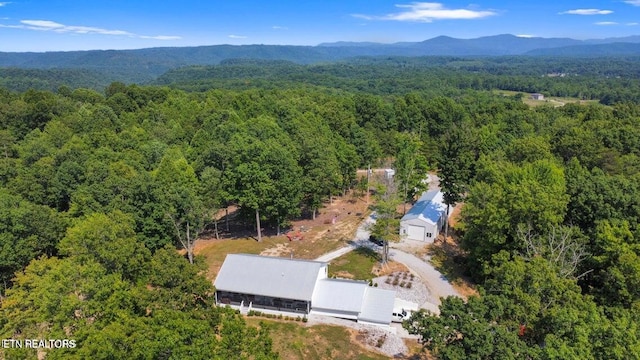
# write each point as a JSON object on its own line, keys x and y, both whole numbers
{"x": 376, "y": 241}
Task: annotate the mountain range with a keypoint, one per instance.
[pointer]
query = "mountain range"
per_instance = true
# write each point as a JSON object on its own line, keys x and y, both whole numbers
{"x": 147, "y": 64}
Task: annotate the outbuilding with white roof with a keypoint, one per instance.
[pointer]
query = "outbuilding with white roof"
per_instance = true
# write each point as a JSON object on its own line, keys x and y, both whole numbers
{"x": 425, "y": 219}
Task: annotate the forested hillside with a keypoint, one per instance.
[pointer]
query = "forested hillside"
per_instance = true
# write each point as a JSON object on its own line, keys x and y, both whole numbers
{"x": 606, "y": 79}
{"x": 98, "y": 189}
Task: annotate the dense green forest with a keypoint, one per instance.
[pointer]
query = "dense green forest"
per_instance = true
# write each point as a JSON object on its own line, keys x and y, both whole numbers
{"x": 606, "y": 79}
{"x": 98, "y": 189}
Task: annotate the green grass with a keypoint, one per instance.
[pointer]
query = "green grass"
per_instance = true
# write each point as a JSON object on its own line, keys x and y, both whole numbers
{"x": 548, "y": 100}
{"x": 356, "y": 264}
{"x": 296, "y": 341}
{"x": 216, "y": 251}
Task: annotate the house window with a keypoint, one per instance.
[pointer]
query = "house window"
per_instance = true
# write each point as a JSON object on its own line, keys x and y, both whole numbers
{"x": 429, "y": 235}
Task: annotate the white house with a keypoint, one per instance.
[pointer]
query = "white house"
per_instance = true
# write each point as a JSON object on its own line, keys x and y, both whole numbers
{"x": 537, "y": 96}
{"x": 389, "y": 173}
{"x": 425, "y": 219}
{"x": 248, "y": 282}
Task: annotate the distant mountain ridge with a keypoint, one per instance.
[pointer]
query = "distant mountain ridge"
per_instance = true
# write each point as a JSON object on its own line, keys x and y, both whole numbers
{"x": 496, "y": 45}
{"x": 147, "y": 64}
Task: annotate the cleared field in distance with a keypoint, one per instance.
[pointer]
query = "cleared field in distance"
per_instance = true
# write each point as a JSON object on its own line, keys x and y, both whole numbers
{"x": 551, "y": 100}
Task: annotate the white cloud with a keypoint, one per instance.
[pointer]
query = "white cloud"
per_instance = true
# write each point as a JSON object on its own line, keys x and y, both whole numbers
{"x": 4, "y": 4}
{"x": 633, "y": 2}
{"x": 276, "y": 27}
{"x": 428, "y": 12}
{"x": 160, "y": 37}
{"x": 587, "y": 12}
{"x": 46, "y": 25}
{"x": 525, "y": 36}
{"x": 606, "y": 23}
{"x": 237, "y": 36}
{"x": 632, "y": 24}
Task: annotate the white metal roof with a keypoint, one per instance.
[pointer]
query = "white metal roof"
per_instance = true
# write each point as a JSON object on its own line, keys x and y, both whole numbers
{"x": 377, "y": 305}
{"x": 269, "y": 276}
{"x": 430, "y": 208}
{"x": 341, "y": 295}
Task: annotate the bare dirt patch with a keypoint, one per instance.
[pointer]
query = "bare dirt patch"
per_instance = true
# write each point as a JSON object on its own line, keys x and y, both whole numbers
{"x": 389, "y": 268}
{"x": 281, "y": 249}
{"x": 344, "y": 275}
{"x": 454, "y": 217}
{"x": 334, "y": 226}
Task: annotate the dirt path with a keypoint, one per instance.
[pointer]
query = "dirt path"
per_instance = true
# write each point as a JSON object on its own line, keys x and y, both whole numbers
{"x": 361, "y": 238}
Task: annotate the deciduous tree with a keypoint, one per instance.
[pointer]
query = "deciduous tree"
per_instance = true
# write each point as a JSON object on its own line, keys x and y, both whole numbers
{"x": 178, "y": 189}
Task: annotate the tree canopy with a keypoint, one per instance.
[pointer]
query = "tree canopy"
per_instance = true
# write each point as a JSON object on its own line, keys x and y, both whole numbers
{"x": 99, "y": 189}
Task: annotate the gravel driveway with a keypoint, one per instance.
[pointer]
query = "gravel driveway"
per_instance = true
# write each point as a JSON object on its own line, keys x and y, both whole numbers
{"x": 437, "y": 285}
{"x": 435, "y": 282}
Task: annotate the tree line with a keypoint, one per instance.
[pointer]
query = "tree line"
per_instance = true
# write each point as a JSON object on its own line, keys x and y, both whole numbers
{"x": 549, "y": 230}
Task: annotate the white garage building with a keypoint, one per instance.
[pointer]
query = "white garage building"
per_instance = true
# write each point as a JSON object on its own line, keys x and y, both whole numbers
{"x": 248, "y": 282}
{"x": 425, "y": 219}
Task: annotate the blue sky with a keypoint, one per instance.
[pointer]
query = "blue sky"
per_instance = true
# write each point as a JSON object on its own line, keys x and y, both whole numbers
{"x": 50, "y": 25}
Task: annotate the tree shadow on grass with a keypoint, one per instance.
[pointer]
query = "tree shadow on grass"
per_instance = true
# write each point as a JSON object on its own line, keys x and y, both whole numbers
{"x": 368, "y": 252}
{"x": 450, "y": 260}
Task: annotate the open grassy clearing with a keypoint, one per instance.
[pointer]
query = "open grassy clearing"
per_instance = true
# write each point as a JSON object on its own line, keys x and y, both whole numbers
{"x": 310, "y": 238}
{"x": 548, "y": 100}
{"x": 357, "y": 264}
{"x": 215, "y": 251}
{"x": 297, "y": 341}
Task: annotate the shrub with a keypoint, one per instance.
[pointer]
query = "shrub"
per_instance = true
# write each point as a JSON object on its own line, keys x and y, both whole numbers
{"x": 298, "y": 318}
{"x": 395, "y": 282}
{"x": 409, "y": 285}
{"x": 304, "y": 319}
{"x": 280, "y": 317}
{"x": 375, "y": 284}
{"x": 402, "y": 284}
{"x": 388, "y": 280}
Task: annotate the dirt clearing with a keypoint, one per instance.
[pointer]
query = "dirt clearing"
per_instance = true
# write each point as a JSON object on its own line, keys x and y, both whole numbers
{"x": 334, "y": 226}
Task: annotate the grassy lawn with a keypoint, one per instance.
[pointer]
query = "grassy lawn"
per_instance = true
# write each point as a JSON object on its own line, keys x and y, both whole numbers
{"x": 356, "y": 264}
{"x": 448, "y": 259}
{"x": 294, "y": 340}
{"x": 215, "y": 251}
{"x": 553, "y": 101}
{"x": 312, "y": 238}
